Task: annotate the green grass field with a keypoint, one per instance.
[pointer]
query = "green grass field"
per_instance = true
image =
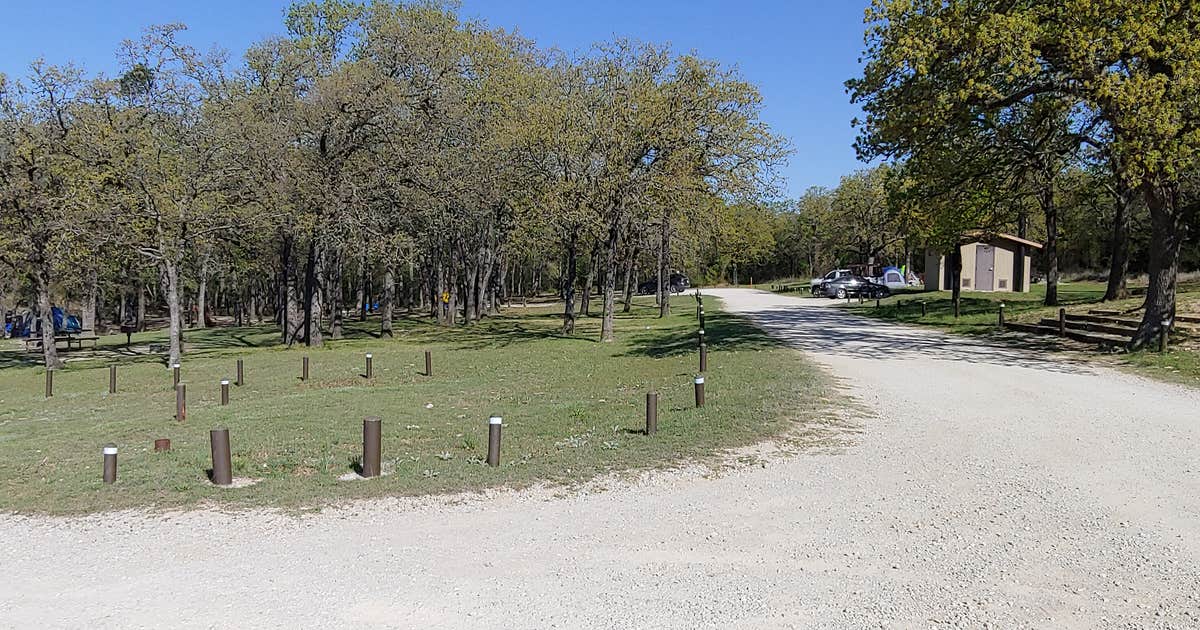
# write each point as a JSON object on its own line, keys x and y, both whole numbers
{"x": 573, "y": 408}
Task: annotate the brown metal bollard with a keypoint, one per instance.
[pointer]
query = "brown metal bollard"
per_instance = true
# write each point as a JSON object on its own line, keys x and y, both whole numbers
{"x": 1162, "y": 336}
{"x": 699, "y": 381}
{"x": 112, "y": 379}
{"x": 428, "y": 363}
{"x": 703, "y": 357}
{"x": 651, "y": 413}
{"x": 1001, "y": 320}
{"x": 304, "y": 370}
{"x": 224, "y": 393}
{"x": 175, "y": 374}
{"x": 110, "y": 463}
{"x": 370, "y": 371}
{"x": 222, "y": 464}
{"x": 1062, "y": 322}
{"x": 49, "y": 383}
{"x": 181, "y": 402}
{"x": 493, "y": 454}
{"x": 241, "y": 380}
{"x": 162, "y": 445}
{"x": 924, "y": 309}
{"x": 372, "y": 438}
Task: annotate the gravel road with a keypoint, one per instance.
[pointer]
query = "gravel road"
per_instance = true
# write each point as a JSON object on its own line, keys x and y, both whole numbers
{"x": 988, "y": 488}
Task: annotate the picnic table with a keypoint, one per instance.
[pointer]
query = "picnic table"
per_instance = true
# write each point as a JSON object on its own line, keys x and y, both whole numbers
{"x": 73, "y": 339}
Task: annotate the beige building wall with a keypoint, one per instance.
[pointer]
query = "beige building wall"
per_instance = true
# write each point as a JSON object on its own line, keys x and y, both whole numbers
{"x": 1004, "y": 269}
{"x": 1028, "y": 272}
{"x": 967, "y": 278}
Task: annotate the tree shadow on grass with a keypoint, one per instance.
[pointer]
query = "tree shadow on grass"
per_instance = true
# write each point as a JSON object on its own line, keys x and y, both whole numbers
{"x": 722, "y": 331}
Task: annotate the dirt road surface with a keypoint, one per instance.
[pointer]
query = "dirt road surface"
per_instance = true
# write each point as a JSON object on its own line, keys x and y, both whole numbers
{"x": 987, "y": 488}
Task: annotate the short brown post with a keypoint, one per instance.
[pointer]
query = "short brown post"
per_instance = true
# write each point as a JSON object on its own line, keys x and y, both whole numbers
{"x": 428, "y": 363}
{"x": 241, "y": 379}
{"x": 1062, "y": 322}
{"x": 304, "y": 370}
{"x": 162, "y": 445}
{"x": 493, "y": 454}
{"x": 651, "y": 413}
{"x": 700, "y": 338}
{"x": 1001, "y": 320}
{"x": 876, "y": 303}
{"x": 372, "y": 437}
{"x": 110, "y": 463}
{"x": 222, "y": 464}
{"x": 224, "y": 392}
{"x": 181, "y": 402}
{"x": 1162, "y": 336}
{"x": 703, "y": 357}
{"x": 175, "y": 374}
{"x": 112, "y": 379}
{"x": 370, "y": 371}
{"x": 49, "y": 382}
{"x": 699, "y": 391}
{"x": 924, "y": 309}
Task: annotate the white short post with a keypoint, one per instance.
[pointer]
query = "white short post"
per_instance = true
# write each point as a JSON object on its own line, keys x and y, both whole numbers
{"x": 493, "y": 454}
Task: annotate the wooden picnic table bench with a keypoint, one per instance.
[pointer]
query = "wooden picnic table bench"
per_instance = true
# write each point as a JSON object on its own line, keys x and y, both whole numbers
{"x": 73, "y": 339}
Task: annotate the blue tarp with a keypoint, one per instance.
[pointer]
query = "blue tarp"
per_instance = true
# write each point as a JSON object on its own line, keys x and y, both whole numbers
{"x": 64, "y": 322}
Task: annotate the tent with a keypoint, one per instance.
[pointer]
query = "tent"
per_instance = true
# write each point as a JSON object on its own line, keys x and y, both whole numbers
{"x": 893, "y": 278}
{"x": 64, "y": 322}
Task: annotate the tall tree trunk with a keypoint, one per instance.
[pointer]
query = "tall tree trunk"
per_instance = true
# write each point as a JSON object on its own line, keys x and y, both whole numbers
{"x": 360, "y": 296}
{"x": 585, "y": 305}
{"x": 956, "y": 278}
{"x": 610, "y": 279}
{"x": 141, "y": 306}
{"x": 568, "y": 284}
{"x": 46, "y": 314}
{"x": 202, "y": 295}
{"x": 90, "y": 293}
{"x": 1166, "y": 236}
{"x": 333, "y": 273}
{"x": 1051, "y": 252}
{"x": 664, "y": 267}
{"x": 629, "y": 278}
{"x": 389, "y": 301}
{"x": 312, "y": 300}
{"x": 175, "y": 314}
{"x": 470, "y": 299}
{"x": 1118, "y": 267}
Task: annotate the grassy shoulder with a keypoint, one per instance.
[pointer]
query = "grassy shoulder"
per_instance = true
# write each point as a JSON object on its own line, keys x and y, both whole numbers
{"x": 979, "y": 315}
{"x": 573, "y": 409}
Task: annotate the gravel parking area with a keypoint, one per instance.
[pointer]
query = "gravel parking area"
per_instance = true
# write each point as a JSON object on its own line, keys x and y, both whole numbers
{"x": 988, "y": 487}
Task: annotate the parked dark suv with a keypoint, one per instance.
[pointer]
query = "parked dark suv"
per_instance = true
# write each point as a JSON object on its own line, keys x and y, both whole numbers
{"x": 854, "y": 286}
{"x": 678, "y": 283}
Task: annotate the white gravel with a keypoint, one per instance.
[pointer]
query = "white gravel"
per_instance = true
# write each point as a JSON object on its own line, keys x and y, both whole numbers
{"x": 991, "y": 488}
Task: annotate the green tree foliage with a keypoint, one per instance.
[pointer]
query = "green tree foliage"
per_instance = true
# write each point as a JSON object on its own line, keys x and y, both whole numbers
{"x": 1129, "y": 70}
{"x": 380, "y": 152}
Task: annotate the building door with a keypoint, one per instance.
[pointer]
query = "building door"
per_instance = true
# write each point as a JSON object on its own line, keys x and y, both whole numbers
{"x": 985, "y": 267}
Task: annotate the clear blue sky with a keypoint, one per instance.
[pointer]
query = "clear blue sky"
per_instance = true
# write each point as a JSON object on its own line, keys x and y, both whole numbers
{"x": 797, "y": 51}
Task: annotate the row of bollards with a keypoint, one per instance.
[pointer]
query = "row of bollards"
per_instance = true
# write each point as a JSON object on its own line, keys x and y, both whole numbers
{"x": 176, "y": 375}
{"x": 222, "y": 469}
{"x": 221, "y": 473}
{"x": 222, "y": 466}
